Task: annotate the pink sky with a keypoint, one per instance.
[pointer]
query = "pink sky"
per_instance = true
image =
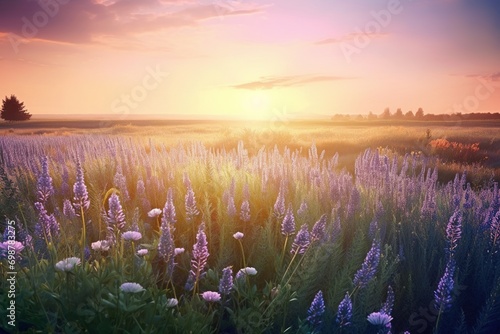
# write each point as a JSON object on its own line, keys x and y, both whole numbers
{"x": 250, "y": 59}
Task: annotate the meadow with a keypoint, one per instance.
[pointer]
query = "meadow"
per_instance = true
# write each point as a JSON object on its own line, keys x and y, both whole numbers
{"x": 230, "y": 227}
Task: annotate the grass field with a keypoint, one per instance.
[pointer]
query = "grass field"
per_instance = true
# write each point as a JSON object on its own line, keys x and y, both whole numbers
{"x": 256, "y": 227}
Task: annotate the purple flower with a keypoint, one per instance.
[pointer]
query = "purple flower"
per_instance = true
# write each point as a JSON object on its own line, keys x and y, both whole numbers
{"x": 190, "y": 203}
{"x": 47, "y": 227}
{"x": 199, "y": 258}
{"x": 238, "y": 235}
{"x": 344, "y": 313}
{"x": 245, "y": 211}
{"x": 302, "y": 211}
{"x": 211, "y": 296}
{"x": 380, "y": 319}
{"x": 11, "y": 246}
{"x": 316, "y": 310}
{"x": 115, "y": 215}
{"x": 279, "y": 205}
{"x": 495, "y": 229}
{"x": 68, "y": 209}
{"x": 454, "y": 231}
{"x": 369, "y": 266}
{"x": 443, "y": 295}
{"x": 301, "y": 241}
{"x": 226, "y": 281}
{"x": 288, "y": 224}
{"x": 389, "y": 302}
{"x": 120, "y": 182}
{"x": 44, "y": 185}
{"x": 169, "y": 215}
{"x": 153, "y": 213}
{"x": 166, "y": 248}
{"x": 318, "y": 232}
{"x": 231, "y": 208}
{"x": 81, "y": 196}
{"x": 131, "y": 236}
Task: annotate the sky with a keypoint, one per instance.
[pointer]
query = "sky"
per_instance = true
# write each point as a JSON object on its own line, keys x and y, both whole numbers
{"x": 250, "y": 59}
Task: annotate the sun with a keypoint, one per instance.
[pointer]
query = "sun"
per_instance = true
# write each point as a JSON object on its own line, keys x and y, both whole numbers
{"x": 257, "y": 105}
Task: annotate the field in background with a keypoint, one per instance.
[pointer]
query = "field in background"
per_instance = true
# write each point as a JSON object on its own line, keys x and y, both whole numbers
{"x": 472, "y": 146}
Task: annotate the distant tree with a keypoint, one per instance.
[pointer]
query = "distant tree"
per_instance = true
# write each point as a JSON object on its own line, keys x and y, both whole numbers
{"x": 409, "y": 114}
{"x": 371, "y": 115}
{"x": 399, "y": 113}
{"x": 419, "y": 113}
{"x": 14, "y": 110}
{"x": 386, "y": 114}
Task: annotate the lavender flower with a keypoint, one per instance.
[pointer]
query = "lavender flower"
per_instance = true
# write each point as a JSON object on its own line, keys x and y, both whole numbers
{"x": 115, "y": 215}
{"x": 495, "y": 229}
{"x": 120, "y": 182}
{"x": 344, "y": 313}
{"x": 211, "y": 296}
{"x": 166, "y": 248}
{"x": 169, "y": 215}
{"x": 301, "y": 241}
{"x": 81, "y": 196}
{"x": 454, "y": 231}
{"x": 226, "y": 281}
{"x": 302, "y": 211}
{"x": 199, "y": 259}
{"x": 190, "y": 203}
{"x": 316, "y": 311}
{"x": 288, "y": 224}
{"x": 245, "y": 211}
{"x": 231, "y": 208}
{"x": 44, "y": 185}
{"x": 279, "y": 205}
{"x": 369, "y": 266}
{"x": 131, "y": 287}
{"x": 389, "y": 302}
{"x": 443, "y": 295}
{"x": 68, "y": 209}
{"x": 47, "y": 227}
{"x": 318, "y": 232}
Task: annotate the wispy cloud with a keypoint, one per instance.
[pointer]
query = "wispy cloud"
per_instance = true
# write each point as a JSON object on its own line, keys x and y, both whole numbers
{"x": 286, "y": 81}
{"x": 350, "y": 37}
{"x": 493, "y": 76}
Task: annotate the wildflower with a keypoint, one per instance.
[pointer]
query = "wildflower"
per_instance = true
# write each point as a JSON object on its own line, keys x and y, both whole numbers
{"x": 169, "y": 215}
{"x": 100, "y": 245}
{"x": 231, "y": 208}
{"x": 443, "y": 295}
{"x": 131, "y": 236}
{"x": 200, "y": 257}
{"x": 245, "y": 211}
{"x": 81, "y": 197}
{"x": 178, "y": 251}
{"x": 369, "y": 266}
{"x": 44, "y": 185}
{"x": 172, "y": 302}
{"x": 389, "y": 302}
{"x": 318, "y": 230}
{"x": 250, "y": 271}
{"x": 166, "y": 248}
{"x": 47, "y": 227}
{"x": 154, "y": 213}
{"x": 288, "y": 224}
{"x": 131, "y": 287}
{"x": 379, "y": 319}
{"x": 316, "y": 310}
{"x": 301, "y": 241}
{"x": 115, "y": 215}
{"x": 68, "y": 209}
{"x": 120, "y": 182}
{"x": 67, "y": 264}
{"x": 12, "y": 246}
{"x": 495, "y": 229}
{"x": 190, "y": 203}
{"x": 302, "y": 211}
{"x": 238, "y": 235}
{"x": 344, "y": 313}
{"x": 142, "y": 252}
{"x": 454, "y": 231}
{"x": 211, "y": 296}
{"x": 279, "y": 205}
{"x": 226, "y": 282}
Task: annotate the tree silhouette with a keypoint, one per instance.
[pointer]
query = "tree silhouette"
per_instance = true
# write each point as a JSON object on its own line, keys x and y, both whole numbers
{"x": 419, "y": 113}
{"x": 14, "y": 110}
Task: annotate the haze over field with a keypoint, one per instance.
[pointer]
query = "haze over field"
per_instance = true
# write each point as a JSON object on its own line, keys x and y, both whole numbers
{"x": 250, "y": 59}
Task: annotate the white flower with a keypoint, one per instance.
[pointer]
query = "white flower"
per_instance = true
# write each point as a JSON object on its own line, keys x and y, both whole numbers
{"x": 131, "y": 235}
{"x": 250, "y": 271}
{"x": 178, "y": 251}
{"x": 154, "y": 213}
{"x": 142, "y": 252}
{"x": 131, "y": 287}
{"x": 67, "y": 264}
{"x": 101, "y": 245}
{"x": 238, "y": 235}
{"x": 379, "y": 318}
{"x": 211, "y": 296}
{"x": 172, "y": 302}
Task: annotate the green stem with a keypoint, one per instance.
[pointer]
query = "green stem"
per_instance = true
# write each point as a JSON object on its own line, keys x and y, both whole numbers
{"x": 84, "y": 233}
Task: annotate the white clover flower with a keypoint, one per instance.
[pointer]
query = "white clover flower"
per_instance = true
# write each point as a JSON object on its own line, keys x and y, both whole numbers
{"x": 178, "y": 251}
{"x": 67, "y": 264}
{"x": 131, "y": 235}
{"x": 172, "y": 302}
{"x": 211, "y": 296}
{"x": 142, "y": 252}
{"x": 131, "y": 287}
{"x": 238, "y": 235}
{"x": 100, "y": 245}
{"x": 250, "y": 271}
{"x": 154, "y": 213}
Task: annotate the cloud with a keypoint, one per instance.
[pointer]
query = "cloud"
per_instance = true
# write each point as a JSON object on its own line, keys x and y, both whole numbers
{"x": 350, "y": 37}
{"x": 493, "y": 76}
{"x": 286, "y": 81}
{"x": 87, "y": 21}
